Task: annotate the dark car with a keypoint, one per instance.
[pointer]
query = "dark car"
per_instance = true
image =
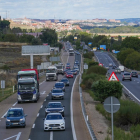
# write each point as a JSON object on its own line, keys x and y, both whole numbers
{"x": 57, "y": 94}
{"x": 114, "y": 67}
{"x": 134, "y": 74}
{"x": 65, "y": 81}
{"x": 15, "y": 117}
{"x": 54, "y": 107}
{"x": 74, "y": 71}
{"x": 60, "y": 85}
{"x": 126, "y": 76}
{"x": 66, "y": 70}
{"x": 76, "y": 62}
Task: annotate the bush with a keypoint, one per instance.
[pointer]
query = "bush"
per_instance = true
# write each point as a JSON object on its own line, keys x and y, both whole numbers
{"x": 92, "y": 63}
{"x": 135, "y": 130}
{"x": 97, "y": 69}
{"x": 105, "y": 88}
{"x": 129, "y": 113}
{"x": 88, "y": 55}
{"x": 5, "y": 67}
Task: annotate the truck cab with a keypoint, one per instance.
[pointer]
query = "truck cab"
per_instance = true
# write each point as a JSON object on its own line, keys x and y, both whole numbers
{"x": 27, "y": 90}
{"x": 71, "y": 52}
{"x": 51, "y": 73}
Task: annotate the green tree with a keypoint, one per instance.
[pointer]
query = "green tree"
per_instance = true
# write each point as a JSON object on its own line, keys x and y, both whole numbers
{"x": 26, "y": 38}
{"x": 10, "y": 38}
{"x": 36, "y": 41}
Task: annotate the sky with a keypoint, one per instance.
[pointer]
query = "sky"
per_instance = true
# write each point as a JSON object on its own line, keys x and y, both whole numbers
{"x": 70, "y": 9}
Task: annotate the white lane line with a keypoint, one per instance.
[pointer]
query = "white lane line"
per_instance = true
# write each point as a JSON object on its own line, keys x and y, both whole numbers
{"x": 137, "y": 82}
{"x": 33, "y": 126}
{"x": 14, "y": 104}
{"x": 42, "y": 82}
{"x": 37, "y": 114}
{"x": 18, "y": 136}
{"x": 51, "y": 135}
{"x": 4, "y": 115}
{"x": 41, "y": 106}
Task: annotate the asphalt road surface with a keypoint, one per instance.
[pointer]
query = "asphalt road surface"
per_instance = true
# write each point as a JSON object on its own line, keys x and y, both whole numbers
{"x": 133, "y": 86}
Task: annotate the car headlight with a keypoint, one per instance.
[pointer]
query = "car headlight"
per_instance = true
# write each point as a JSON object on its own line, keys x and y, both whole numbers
{"x": 19, "y": 97}
{"x": 8, "y": 120}
{"x": 22, "y": 119}
{"x": 34, "y": 96}
{"x": 62, "y": 124}
{"x": 46, "y": 124}
{"x": 61, "y": 110}
{"x": 47, "y": 111}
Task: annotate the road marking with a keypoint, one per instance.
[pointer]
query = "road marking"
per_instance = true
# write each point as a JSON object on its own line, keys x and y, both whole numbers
{"x": 4, "y": 115}
{"x": 33, "y": 126}
{"x": 42, "y": 82}
{"x": 14, "y": 104}
{"x": 51, "y": 135}
{"x": 17, "y": 136}
{"x": 43, "y": 92}
{"x": 41, "y": 106}
{"x": 137, "y": 82}
{"x": 37, "y": 114}
{"x": 134, "y": 80}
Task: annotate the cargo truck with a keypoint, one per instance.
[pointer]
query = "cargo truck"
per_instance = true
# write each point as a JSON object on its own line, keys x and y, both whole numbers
{"x": 51, "y": 73}
{"x": 71, "y": 52}
{"x": 27, "y": 90}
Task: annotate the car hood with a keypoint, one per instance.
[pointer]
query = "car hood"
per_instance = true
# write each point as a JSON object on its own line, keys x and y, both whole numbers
{"x": 14, "y": 118}
{"x": 54, "y": 121}
{"x": 54, "y": 109}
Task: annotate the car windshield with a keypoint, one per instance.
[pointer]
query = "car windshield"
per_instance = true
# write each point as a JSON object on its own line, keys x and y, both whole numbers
{"x": 63, "y": 80}
{"x": 57, "y": 91}
{"x": 126, "y": 73}
{"x": 134, "y": 72}
{"x": 70, "y": 73}
{"x": 26, "y": 86}
{"x": 59, "y": 67}
{"x": 14, "y": 113}
{"x": 53, "y": 117}
{"x": 50, "y": 71}
{"x": 54, "y": 105}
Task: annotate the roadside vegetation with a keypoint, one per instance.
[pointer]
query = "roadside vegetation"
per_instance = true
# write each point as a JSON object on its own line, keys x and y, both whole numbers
{"x": 127, "y": 119}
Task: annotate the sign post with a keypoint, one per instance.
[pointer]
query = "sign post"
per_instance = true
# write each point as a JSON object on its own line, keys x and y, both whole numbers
{"x": 111, "y": 105}
{"x": 86, "y": 66}
{"x": 2, "y": 86}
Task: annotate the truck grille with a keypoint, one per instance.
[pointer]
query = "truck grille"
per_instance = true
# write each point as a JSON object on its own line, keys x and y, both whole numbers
{"x": 51, "y": 75}
{"x": 27, "y": 96}
{"x": 54, "y": 125}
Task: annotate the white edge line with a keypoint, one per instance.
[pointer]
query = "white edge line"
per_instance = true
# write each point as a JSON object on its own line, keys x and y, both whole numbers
{"x": 18, "y": 136}
{"x": 14, "y": 104}
{"x": 33, "y": 126}
{"x": 10, "y": 137}
{"x": 51, "y": 135}
{"x": 41, "y": 106}
{"x": 4, "y": 115}
{"x": 37, "y": 114}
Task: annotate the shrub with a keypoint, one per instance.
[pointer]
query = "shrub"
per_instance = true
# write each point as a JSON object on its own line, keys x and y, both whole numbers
{"x": 92, "y": 63}
{"x": 97, "y": 69}
{"x": 88, "y": 55}
{"x": 135, "y": 130}
{"x": 105, "y": 88}
{"x": 5, "y": 67}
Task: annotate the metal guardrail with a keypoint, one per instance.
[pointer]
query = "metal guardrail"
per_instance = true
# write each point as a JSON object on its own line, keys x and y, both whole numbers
{"x": 93, "y": 137}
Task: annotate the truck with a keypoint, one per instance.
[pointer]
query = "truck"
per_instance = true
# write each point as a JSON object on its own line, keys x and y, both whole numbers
{"x": 71, "y": 52}
{"x": 29, "y": 73}
{"x": 51, "y": 73}
{"x": 121, "y": 68}
{"x": 60, "y": 69}
{"x": 27, "y": 90}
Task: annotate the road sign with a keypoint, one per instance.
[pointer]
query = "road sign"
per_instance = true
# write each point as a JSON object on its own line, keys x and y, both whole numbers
{"x": 100, "y": 64}
{"x": 36, "y": 50}
{"x": 111, "y": 105}
{"x": 113, "y": 77}
{"x": 2, "y": 83}
{"x": 85, "y": 66}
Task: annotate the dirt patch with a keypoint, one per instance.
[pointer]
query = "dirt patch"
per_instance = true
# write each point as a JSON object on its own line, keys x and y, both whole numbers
{"x": 98, "y": 122}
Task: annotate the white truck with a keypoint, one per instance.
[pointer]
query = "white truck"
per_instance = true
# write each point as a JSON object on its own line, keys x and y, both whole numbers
{"x": 71, "y": 52}
{"x": 51, "y": 73}
{"x": 121, "y": 68}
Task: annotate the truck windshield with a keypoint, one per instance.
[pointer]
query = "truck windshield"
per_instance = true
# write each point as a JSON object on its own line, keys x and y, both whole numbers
{"x": 27, "y": 76}
{"x": 26, "y": 86}
{"x": 59, "y": 67}
{"x": 50, "y": 71}
{"x": 71, "y": 51}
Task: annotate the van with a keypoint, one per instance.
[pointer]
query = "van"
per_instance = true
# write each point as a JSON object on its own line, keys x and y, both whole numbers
{"x": 121, "y": 68}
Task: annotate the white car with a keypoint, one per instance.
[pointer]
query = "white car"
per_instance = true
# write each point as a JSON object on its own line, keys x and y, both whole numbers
{"x": 54, "y": 121}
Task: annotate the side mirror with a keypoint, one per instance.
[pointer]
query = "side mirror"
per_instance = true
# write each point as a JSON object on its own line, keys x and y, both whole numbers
{"x": 4, "y": 116}
{"x": 43, "y": 118}
{"x": 25, "y": 115}
{"x": 63, "y": 106}
{"x": 64, "y": 118}
{"x": 45, "y": 107}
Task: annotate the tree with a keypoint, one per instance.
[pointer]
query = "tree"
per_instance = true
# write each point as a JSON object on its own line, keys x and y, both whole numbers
{"x": 4, "y": 24}
{"x": 26, "y": 38}
{"x": 36, "y": 41}
{"x": 10, "y": 38}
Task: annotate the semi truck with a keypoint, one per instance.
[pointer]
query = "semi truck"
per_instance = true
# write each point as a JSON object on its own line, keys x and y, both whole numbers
{"x": 71, "y": 52}
{"x": 27, "y": 90}
{"x": 51, "y": 73}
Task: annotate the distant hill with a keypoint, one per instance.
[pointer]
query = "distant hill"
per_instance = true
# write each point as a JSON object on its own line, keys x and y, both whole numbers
{"x": 134, "y": 20}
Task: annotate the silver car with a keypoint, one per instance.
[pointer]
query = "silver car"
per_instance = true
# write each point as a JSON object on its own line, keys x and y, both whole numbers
{"x": 54, "y": 121}
{"x": 126, "y": 76}
{"x": 117, "y": 70}
{"x": 110, "y": 64}
{"x": 57, "y": 94}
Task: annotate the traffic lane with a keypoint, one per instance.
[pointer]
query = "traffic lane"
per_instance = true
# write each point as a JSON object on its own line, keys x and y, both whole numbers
{"x": 38, "y": 131}
{"x": 31, "y": 109}
{"x": 133, "y": 86}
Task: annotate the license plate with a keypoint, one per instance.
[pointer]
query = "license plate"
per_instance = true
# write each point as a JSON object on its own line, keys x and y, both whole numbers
{"x": 15, "y": 123}
{"x": 26, "y": 100}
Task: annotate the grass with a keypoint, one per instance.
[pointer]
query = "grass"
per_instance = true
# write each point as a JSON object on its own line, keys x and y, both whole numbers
{"x": 6, "y": 93}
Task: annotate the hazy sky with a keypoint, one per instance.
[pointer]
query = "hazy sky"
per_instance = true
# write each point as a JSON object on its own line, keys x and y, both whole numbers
{"x": 70, "y": 9}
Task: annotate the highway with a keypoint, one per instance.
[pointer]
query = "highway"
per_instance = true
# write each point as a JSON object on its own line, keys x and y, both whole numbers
{"x": 36, "y": 111}
{"x": 133, "y": 86}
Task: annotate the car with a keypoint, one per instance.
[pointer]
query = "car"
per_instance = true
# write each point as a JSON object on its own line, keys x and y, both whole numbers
{"x": 77, "y": 69}
{"x": 54, "y": 107}
{"x": 107, "y": 68}
{"x": 57, "y": 94}
{"x": 114, "y": 67}
{"x": 117, "y": 70}
{"x": 66, "y": 70}
{"x": 60, "y": 85}
{"x": 15, "y": 117}
{"x": 67, "y": 67}
{"x": 110, "y": 64}
{"x": 134, "y": 74}
{"x": 75, "y": 66}
{"x": 54, "y": 121}
{"x": 76, "y": 62}
{"x": 69, "y": 75}
{"x": 126, "y": 76}
{"x": 68, "y": 64}
{"x": 65, "y": 81}
{"x": 74, "y": 71}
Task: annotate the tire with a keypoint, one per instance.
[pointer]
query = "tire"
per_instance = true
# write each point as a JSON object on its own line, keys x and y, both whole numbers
{"x": 23, "y": 126}
{"x": 35, "y": 101}
{"x": 130, "y": 79}
{"x": 19, "y": 102}
{"x": 6, "y": 127}
{"x": 52, "y": 98}
{"x": 122, "y": 79}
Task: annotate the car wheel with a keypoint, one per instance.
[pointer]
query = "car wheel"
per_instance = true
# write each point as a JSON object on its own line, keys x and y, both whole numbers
{"x": 122, "y": 79}
{"x": 137, "y": 76}
{"x": 6, "y": 127}
{"x": 130, "y": 79}
{"x": 52, "y": 98}
{"x": 19, "y": 102}
{"x": 23, "y": 126}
